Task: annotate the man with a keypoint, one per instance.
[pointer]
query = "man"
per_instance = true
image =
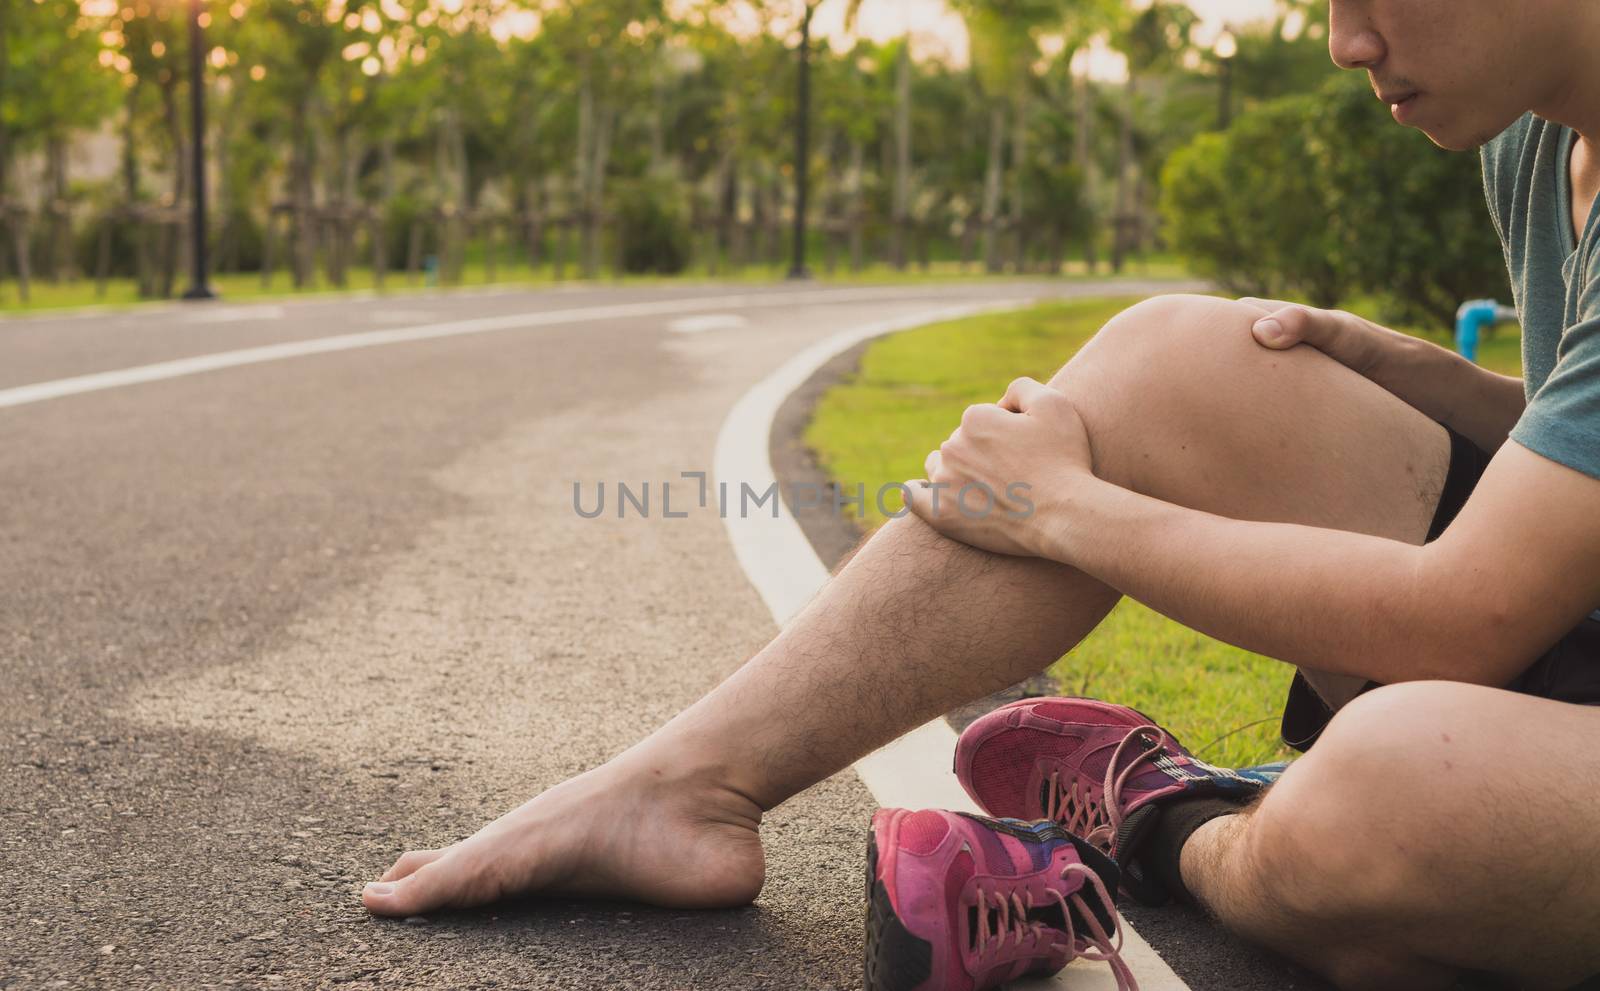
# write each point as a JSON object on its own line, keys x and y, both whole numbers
{"x": 1275, "y": 496}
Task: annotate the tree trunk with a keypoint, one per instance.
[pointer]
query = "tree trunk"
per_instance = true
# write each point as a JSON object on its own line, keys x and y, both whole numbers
{"x": 302, "y": 237}
{"x": 380, "y": 214}
{"x": 414, "y": 250}
{"x": 5, "y": 138}
{"x": 464, "y": 199}
{"x": 5, "y": 132}
{"x": 583, "y": 167}
{"x": 59, "y": 249}
{"x": 173, "y": 254}
{"x": 1136, "y": 214}
{"x": 857, "y": 205}
{"x": 18, "y": 221}
{"x": 1122, "y": 219}
{"x": 269, "y": 247}
{"x": 378, "y": 241}
{"x": 1083, "y": 152}
{"x": 489, "y": 247}
{"x": 1019, "y": 158}
{"x": 658, "y": 124}
{"x": 993, "y": 173}
{"x": 130, "y": 148}
{"x": 597, "y": 189}
{"x": 535, "y": 206}
{"x": 727, "y": 209}
{"x": 563, "y": 245}
{"x": 227, "y": 253}
{"x": 102, "y": 267}
{"x": 902, "y": 153}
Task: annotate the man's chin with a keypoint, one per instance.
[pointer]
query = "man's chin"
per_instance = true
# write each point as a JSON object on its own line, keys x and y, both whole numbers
{"x": 1456, "y": 139}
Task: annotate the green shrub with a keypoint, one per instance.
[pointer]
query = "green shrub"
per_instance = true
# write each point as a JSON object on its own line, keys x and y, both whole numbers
{"x": 400, "y": 215}
{"x": 1323, "y": 197}
{"x": 654, "y": 227}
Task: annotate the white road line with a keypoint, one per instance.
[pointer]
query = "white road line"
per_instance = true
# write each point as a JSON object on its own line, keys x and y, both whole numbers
{"x": 913, "y": 771}
{"x": 58, "y": 388}
{"x": 702, "y": 322}
{"x": 232, "y": 314}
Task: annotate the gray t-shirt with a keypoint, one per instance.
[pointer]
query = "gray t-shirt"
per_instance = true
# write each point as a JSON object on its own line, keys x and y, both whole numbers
{"x": 1557, "y": 288}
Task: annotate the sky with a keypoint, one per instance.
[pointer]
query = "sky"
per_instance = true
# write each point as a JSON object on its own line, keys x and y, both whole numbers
{"x": 937, "y": 30}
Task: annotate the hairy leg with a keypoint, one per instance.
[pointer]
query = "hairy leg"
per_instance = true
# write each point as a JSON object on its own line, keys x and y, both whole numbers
{"x": 1180, "y": 403}
{"x": 1430, "y": 831}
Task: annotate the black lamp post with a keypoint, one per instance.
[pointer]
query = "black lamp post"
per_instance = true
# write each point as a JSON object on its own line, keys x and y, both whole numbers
{"x": 199, "y": 287}
{"x": 802, "y": 146}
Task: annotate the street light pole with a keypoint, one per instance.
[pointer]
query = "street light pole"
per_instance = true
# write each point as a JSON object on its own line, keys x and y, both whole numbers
{"x": 199, "y": 287}
{"x": 802, "y": 146}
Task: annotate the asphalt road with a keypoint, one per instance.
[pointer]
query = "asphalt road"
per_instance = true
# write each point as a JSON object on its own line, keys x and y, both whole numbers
{"x": 265, "y": 627}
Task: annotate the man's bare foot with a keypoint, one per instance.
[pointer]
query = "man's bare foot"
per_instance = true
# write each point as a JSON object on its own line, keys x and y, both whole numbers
{"x": 623, "y": 830}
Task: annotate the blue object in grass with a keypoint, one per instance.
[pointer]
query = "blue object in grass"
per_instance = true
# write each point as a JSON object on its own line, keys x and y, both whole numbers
{"x": 1472, "y": 317}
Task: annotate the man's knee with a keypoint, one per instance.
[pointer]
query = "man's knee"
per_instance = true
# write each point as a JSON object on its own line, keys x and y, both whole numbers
{"x": 1356, "y": 822}
{"x": 1163, "y": 378}
{"x": 1182, "y": 404}
{"x": 1395, "y": 741}
{"x": 1167, "y": 334}
{"x": 1353, "y": 842}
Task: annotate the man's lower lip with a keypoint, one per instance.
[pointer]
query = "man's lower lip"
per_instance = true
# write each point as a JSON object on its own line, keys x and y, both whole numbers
{"x": 1404, "y": 109}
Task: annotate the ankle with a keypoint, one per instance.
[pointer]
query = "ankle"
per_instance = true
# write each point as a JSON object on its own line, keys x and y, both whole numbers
{"x": 1165, "y": 857}
{"x": 706, "y": 789}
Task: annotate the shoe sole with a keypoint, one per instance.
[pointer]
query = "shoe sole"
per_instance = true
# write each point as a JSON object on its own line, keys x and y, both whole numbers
{"x": 896, "y": 960}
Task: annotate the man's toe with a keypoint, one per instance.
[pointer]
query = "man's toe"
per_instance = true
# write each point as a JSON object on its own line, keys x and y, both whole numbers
{"x": 423, "y": 890}
{"x": 409, "y": 862}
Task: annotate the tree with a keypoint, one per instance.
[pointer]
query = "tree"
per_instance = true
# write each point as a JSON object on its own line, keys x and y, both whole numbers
{"x": 1152, "y": 39}
{"x": 51, "y": 86}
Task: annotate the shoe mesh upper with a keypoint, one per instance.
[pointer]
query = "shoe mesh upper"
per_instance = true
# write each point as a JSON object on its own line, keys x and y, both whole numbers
{"x": 922, "y": 832}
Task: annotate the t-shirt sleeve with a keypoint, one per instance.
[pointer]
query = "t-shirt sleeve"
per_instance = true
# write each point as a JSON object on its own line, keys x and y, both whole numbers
{"x": 1562, "y": 420}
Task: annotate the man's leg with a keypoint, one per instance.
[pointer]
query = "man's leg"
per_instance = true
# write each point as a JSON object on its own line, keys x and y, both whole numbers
{"x": 1180, "y": 403}
{"x": 1434, "y": 828}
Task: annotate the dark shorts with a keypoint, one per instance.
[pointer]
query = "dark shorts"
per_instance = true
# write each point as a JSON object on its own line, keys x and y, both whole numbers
{"x": 1568, "y": 672}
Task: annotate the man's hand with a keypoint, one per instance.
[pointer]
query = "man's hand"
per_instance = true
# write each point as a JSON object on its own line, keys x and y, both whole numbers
{"x": 1344, "y": 337}
{"x": 1446, "y": 387}
{"x": 999, "y": 481}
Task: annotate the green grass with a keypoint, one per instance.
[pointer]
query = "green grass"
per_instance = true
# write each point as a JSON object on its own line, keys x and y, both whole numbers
{"x": 123, "y": 293}
{"x": 876, "y": 427}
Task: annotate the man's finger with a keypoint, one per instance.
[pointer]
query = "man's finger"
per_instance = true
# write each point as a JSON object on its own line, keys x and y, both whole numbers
{"x": 919, "y": 497}
{"x": 1022, "y": 394}
{"x": 1263, "y": 304}
{"x": 932, "y": 463}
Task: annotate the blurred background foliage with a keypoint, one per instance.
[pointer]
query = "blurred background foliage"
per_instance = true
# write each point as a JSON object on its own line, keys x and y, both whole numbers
{"x": 447, "y": 140}
{"x": 1317, "y": 196}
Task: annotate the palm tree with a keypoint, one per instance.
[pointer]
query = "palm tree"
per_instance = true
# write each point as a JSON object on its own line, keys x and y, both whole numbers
{"x": 901, "y": 202}
{"x": 1153, "y": 40}
{"x": 1005, "y": 46}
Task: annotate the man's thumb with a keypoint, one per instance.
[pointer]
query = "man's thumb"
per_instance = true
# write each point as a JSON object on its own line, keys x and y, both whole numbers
{"x": 1280, "y": 329}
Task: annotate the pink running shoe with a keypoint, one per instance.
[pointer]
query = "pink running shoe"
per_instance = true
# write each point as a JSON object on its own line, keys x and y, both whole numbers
{"x": 960, "y": 902}
{"x": 1097, "y": 769}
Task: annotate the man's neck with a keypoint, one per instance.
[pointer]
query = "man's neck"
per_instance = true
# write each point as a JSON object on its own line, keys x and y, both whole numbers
{"x": 1574, "y": 99}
